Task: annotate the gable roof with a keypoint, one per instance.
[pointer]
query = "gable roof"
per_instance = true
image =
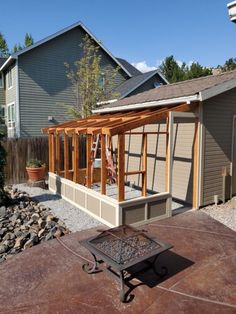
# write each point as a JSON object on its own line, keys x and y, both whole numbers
{"x": 192, "y": 90}
{"x": 14, "y": 56}
{"x": 130, "y": 68}
{"x": 134, "y": 82}
{"x": 2, "y": 61}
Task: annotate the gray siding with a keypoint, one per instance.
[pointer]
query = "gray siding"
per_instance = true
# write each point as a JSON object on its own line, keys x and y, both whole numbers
{"x": 44, "y": 88}
{"x": 11, "y": 93}
{"x": 217, "y": 119}
{"x": 149, "y": 84}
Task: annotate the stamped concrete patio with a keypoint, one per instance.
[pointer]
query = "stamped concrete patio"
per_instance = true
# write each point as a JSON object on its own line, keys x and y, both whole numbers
{"x": 202, "y": 275}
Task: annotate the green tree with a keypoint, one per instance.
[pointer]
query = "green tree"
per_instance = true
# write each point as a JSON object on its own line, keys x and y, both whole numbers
{"x": 28, "y": 40}
{"x": 229, "y": 65}
{"x": 171, "y": 70}
{"x": 4, "y": 51}
{"x": 17, "y": 48}
{"x": 91, "y": 82}
{"x": 175, "y": 73}
{"x": 195, "y": 70}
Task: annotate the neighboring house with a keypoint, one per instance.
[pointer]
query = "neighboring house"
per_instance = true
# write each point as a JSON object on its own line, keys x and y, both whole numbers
{"x": 37, "y": 91}
{"x": 2, "y": 91}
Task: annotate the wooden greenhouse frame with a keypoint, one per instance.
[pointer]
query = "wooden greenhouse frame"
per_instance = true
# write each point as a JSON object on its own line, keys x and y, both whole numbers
{"x": 117, "y": 124}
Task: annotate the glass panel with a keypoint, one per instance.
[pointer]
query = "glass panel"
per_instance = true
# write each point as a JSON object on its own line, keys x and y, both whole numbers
{"x": 1, "y": 80}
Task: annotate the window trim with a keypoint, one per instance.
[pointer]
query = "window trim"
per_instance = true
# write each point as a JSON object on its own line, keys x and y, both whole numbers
{"x": 12, "y": 121}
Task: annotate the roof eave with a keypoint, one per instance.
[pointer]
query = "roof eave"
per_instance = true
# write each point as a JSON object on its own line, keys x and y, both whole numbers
{"x": 64, "y": 30}
{"x": 166, "y": 102}
{"x": 139, "y": 84}
{"x": 217, "y": 89}
{"x": 7, "y": 63}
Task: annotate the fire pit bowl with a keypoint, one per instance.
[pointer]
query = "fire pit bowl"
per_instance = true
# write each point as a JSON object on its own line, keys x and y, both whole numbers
{"x": 122, "y": 247}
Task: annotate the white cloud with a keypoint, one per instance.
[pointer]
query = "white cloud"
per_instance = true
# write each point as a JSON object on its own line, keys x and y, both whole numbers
{"x": 143, "y": 67}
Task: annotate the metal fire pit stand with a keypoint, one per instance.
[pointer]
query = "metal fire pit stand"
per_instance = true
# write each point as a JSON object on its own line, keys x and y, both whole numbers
{"x": 119, "y": 271}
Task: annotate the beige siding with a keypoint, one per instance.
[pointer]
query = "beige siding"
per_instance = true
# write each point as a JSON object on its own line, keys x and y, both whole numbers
{"x": 217, "y": 120}
{"x": 156, "y": 171}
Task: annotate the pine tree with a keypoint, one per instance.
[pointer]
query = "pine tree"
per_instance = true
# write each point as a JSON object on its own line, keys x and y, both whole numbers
{"x": 28, "y": 40}
{"x": 17, "y": 48}
{"x": 176, "y": 73}
{"x": 4, "y": 51}
{"x": 90, "y": 82}
{"x": 229, "y": 65}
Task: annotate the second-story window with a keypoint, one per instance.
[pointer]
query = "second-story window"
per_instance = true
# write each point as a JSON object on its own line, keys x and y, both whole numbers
{"x": 9, "y": 79}
{"x": 1, "y": 81}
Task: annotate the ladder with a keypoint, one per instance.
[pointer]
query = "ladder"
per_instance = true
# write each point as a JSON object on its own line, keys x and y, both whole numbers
{"x": 110, "y": 163}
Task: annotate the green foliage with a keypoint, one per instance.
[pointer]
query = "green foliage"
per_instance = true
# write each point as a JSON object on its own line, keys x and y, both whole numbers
{"x": 229, "y": 65}
{"x": 17, "y": 48}
{"x": 28, "y": 40}
{"x": 34, "y": 163}
{"x": 196, "y": 70}
{"x": 90, "y": 82}
{"x": 4, "y": 51}
{"x": 3, "y": 155}
{"x": 171, "y": 70}
{"x": 175, "y": 73}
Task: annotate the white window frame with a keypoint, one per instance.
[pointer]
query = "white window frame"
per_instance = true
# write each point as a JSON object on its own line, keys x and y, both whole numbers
{"x": 10, "y": 73}
{"x": 11, "y": 124}
{"x": 1, "y": 80}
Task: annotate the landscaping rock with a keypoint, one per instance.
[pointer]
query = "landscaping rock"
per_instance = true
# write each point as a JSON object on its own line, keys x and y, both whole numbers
{"x": 24, "y": 223}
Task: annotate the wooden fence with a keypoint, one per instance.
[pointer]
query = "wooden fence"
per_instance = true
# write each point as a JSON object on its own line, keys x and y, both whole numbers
{"x": 20, "y": 150}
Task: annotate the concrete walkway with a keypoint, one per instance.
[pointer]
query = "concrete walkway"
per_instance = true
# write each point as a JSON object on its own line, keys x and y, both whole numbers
{"x": 202, "y": 275}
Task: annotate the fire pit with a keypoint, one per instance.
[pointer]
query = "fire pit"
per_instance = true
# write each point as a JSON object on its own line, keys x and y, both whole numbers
{"x": 122, "y": 247}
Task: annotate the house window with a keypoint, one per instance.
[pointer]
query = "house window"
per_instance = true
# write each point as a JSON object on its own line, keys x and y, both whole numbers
{"x": 1, "y": 80}
{"x": 157, "y": 84}
{"x": 11, "y": 115}
{"x": 2, "y": 112}
{"x": 102, "y": 81}
{"x": 9, "y": 79}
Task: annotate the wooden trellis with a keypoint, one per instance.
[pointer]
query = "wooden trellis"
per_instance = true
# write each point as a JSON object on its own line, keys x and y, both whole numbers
{"x": 107, "y": 125}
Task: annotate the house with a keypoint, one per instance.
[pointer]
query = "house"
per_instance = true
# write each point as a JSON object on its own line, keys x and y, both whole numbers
{"x": 37, "y": 91}
{"x": 2, "y": 92}
{"x": 176, "y": 142}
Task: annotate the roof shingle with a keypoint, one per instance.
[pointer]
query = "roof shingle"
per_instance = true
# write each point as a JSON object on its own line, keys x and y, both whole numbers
{"x": 180, "y": 89}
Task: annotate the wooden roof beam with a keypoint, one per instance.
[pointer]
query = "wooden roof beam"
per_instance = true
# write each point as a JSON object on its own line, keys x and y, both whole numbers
{"x": 152, "y": 118}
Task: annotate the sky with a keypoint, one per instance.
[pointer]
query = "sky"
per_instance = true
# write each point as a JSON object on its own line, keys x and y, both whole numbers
{"x": 142, "y": 31}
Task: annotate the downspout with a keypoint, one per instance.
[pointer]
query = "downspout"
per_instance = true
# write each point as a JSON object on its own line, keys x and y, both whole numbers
{"x": 200, "y": 156}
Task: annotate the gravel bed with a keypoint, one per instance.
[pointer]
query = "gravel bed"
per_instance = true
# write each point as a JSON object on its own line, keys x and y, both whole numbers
{"x": 74, "y": 218}
{"x": 224, "y": 213}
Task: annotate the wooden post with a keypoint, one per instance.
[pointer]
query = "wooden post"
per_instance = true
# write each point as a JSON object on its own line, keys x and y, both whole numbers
{"x": 75, "y": 158}
{"x": 121, "y": 167}
{"x": 89, "y": 142}
{"x": 103, "y": 164}
{"x": 195, "y": 164}
{"x": 51, "y": 152}
{"x": 167, "y": 153}
{"x": 57, "y": 153}
{"x": 66, "y": 157}
{"x": 144, "y": 165}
